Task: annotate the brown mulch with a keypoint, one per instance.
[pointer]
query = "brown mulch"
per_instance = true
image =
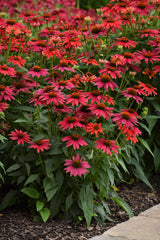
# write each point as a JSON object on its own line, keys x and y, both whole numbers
{"x": 16, "y": 223}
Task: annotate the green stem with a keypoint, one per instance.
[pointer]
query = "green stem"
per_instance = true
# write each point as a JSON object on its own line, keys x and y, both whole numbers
{"x": 41, "y": 162}
{"x": 9, "y": 47}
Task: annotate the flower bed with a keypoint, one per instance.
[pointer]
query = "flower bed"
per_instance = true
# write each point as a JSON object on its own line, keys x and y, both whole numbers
{"x": 78, "y": 100}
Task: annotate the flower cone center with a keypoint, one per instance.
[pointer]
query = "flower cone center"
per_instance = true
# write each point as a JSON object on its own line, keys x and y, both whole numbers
{"x": 105, "y": 78}
{"x": 101, "y": 106}
{"x": 2, "y": 88}
{"x": 11, "y": 21}
{"x": 76, "y": 164}
{"x": 75, "y": 137}
{"x": 107, "y": 143}
{"x": 75, "y": 95}
{"x": 71, "y": 119}
{"x": 132, "y": 92}
{"x": 125, "y": 115}
{"x": 96, "y": 93}
{"x": 52, "y": 94}
{"x": 36, "y": 69}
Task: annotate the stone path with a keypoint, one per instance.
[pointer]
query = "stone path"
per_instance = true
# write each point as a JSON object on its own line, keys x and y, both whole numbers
{"x": 145, "y": 226}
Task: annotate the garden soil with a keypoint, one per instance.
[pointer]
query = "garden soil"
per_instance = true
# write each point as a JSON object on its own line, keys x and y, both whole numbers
{"x": 16, "y": 223}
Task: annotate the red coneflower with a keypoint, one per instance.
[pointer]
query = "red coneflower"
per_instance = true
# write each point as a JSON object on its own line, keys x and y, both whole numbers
{"x": 20, "y": 136}
{"x": 107, "y": 146}
{"x": 40, "y": 145}
{"x": 16, "y": 60}
{"x": 94, "y": 128}
{"x": 74, "y": 140}
{"x": 147, "y": 88}
{"x": 76, "y": 167}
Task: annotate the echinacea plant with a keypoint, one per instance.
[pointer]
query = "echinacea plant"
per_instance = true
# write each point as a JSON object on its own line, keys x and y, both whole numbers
{"x": 79, "y": 104}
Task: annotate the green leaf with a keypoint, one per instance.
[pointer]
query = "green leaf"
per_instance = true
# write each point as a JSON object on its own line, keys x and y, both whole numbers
{"x": 51, "y": 192}
{"x": 145, "y": 144}
{"x": 123, "y": 204}
{"x": 45, "y": 213}
{"x": 20, "y": 120}
{"x": 2, "y": 138}
{"x": 25, "y": 108}
{"x": 13, "y": 167}
{"x": 31, "y": 192}
{"x": 139, "y": 173}
{"x": 49, "y": 183}
{"x": 86, "y": 203}
{"x": 156, "y": 158}
{"x": 39, "y": 205}
{"x": 9, "y": 199}
{"x": 31, "y": 179}
{"x": 69, "y": 201}
{"x": 38, "y": 137}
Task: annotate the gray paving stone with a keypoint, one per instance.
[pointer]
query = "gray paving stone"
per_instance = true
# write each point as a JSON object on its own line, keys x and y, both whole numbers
{"x": 104, "y": 237}
{"x": 137, "y": 228}
{"x": 153, "y": 212}
{"x": 146, "y": 226}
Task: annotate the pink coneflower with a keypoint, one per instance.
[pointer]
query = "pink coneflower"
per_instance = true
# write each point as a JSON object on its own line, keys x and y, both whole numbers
{"x": 38, "y": 72}
{"x": 76, "y": 166}
{"x": 3, "y": 106}
{"x": 157, "y": 69}
{"x": 20, "y": 136}
{"x": 149, "y": 32}
{"x": 130, "y": 58}
{"x": 6, "y": 93}
{"x": 76, "y": 98}
{"x": 61, "y": 108}
{"x": 40, "y": 145}
{"x": 21, "y": 86}
{"x": 111, "y": 70}
{"x": 5, "y": 70}
{"x": 148, "y": 56}
{"x": 63, "y": 66}
{"x": 94, "y": 128}
{"x": 54, "y": 96}
{"x": 147, "y": 88}
{"x": 36, "y": 99}
{"x": 125, "y": 42}
{"x": 106, "y": 82}
{"x": 70, "y": 122}
{"x": 142, "y": 7}
{"x": 131, "y": 93}
{"x": 95, "y": 96}
{"x": 100, "y": 110}
{"x": 74, "y": 140}
{"x": 62, "y": 84}
{"x": 17, "y": 60}
{"x": 155, "y": 42}
{"x": 124, "y": 118}
{"x": 107, "y": 146}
